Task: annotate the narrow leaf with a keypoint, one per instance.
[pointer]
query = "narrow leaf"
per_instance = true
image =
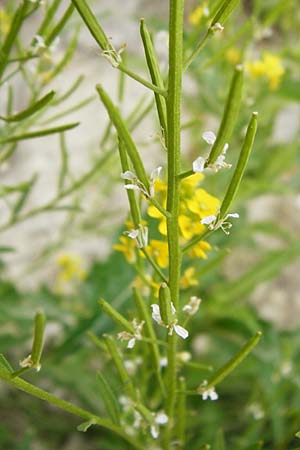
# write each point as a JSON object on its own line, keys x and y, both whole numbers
{"x": 109, "y": 399}
{"x": 60, "y": 25}
{"x": 4, "y": 364}
{"x": 40, "y": 133}
{"x": 119, "y": 364}
{"x": 219, "y": 441}
{"x": 31, "y": 109}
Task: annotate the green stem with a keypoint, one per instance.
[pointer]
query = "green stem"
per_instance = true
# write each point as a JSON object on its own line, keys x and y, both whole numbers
{"x": 154, "y": 265}
{"x": 66, "y": 406}
{"x": 173, "y": 145}
{"x": 142, "y": 81}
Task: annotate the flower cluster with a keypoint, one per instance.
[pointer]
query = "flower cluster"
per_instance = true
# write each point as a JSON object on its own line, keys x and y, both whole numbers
{"x": 156, "y": 316}
{"x": 195, "y": 204}
{"x": 200, "y": 164}
{"x": 198, "y": 13}
{"x": 70, "y": 271}
{"x": 269, "y": 67}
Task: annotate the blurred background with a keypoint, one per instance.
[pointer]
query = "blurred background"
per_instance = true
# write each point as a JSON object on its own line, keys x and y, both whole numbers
{"x": 56, "y": 248}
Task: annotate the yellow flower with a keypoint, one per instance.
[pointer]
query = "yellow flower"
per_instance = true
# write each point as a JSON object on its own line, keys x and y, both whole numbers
{"x": 270, "y": 67}
{"x": 189, "y": 227}
{"x": 4, "y": 22}
{"x": 199, "y": 251}
{"x": 203, "y": 204}
{"x": 70, "y": 271}
{"x": 188, "y": 278}
{"x": 127, "y": 247}
{"x": 197, "y": 14}
{"x": 159, "y": 249}
{"x": 233, "y": 55}
{"x": 195, "y": 204}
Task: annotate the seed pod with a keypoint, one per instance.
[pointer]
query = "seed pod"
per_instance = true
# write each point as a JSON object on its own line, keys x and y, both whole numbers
{"x": 38, "y": 337}
{"x": 224, "y": 11}
{"x": 166, "y": 307}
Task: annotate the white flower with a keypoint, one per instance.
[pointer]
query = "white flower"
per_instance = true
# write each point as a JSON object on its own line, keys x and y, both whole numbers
{"x": 137, "y": 185}
{"x": 140, "y": 235}
{"x": 27, "y": 362}
{"x": 256, "y": 410}
{"x": 156, "y": 316}
{"x": 209, "y": 137}
{"x": 132, "y": 338}
{"x": 214, "y": 223}
{"x": 217, "y": 27}
{"x": 128, "y": 175}
{"x": 199, "y": 164}
{"x": 160, "y": 418}
{"x": 184, "y": 356}
{"x": 113, "y": 55}
{"x": 163, "y": 362}
{"x": 192, "y": 306}
{"x": 38, "y": 43}
{"x": 208, "y": 220}
{"x": 220, "y": 161}
{"x": 209, "y": 393}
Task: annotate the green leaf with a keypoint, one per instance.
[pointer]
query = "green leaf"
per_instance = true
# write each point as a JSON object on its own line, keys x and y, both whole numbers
{"x": 4, "y": 364}
{"x": 86, "y": 425}
{"x": 6, "y": 249}
{"x": 60, "y": 25}
{"x": 109, "y": 399}
{"x": 28, "y": 186}
{"x": 31, "y": 109}
{"x": 256, "y": 446}
{"x": 298, "y": 434}
{"x": 219, "y": 443}
{"x": 40, "y": 133}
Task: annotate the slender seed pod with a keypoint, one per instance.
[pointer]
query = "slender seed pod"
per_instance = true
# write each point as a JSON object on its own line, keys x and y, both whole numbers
{"x": 241, "y": 165}
{"x": 155, "y": 74}
{"x": 224, "y": 11}
{"x": 232, "y": 363}
{"x": 38, "y": 338}
{"x": 165, "y": 304}
{"x": 229, "y": 115}
{"x": 92, "y": 24}
{"x": 116, "y": 316}
{"x": 125, "y": 135}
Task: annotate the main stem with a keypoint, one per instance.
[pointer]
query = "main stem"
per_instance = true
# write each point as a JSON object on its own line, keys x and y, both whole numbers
{"x": 173, "y": 145}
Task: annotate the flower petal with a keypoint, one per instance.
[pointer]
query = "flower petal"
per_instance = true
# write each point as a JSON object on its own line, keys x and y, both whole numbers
{"x": 209, "y": 137}
{"x": 182, "y": 332}
{"x": 198, "y": 164}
